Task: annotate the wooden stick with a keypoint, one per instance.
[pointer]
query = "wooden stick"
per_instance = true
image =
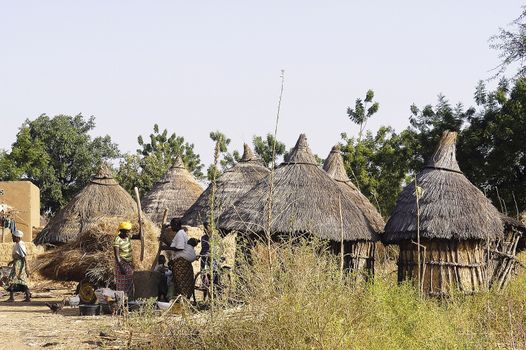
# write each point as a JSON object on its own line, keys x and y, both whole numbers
{"x": 418, "y": 234}
{"x": 139, "y": 211}
{"x": 165, "y": 216}
{"x": 341, "y": 236}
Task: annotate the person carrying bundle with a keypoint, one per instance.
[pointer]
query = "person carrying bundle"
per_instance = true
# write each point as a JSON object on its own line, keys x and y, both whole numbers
{"x": 17, "y": 281}
{"x": 122, "y": 249}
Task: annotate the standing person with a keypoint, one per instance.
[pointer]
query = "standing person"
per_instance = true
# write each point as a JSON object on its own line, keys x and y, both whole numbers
{"x": 166, "y": 275}
{"x": 183, "y": 273}
{"x": 204, "y": 254}
{"x": 122, "y": 250}
{"x": 19, "y": 272}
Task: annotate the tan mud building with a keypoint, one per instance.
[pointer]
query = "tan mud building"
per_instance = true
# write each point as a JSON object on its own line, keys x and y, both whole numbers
{"x": 23, "y": 199}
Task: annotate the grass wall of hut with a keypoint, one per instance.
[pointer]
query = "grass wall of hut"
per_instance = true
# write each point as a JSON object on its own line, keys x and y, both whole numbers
{"x": 447, "y": 266}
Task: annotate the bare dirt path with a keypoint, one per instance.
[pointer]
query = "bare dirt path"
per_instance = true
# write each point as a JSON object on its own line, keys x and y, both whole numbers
{"x": 33, "y": 326}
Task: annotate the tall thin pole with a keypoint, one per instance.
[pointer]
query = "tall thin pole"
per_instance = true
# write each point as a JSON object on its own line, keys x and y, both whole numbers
{"x": 417, "y": 194}
{"x": 212, "y": 225}
{"x": 271, "y": 178}
{"x": 341, "y": 236}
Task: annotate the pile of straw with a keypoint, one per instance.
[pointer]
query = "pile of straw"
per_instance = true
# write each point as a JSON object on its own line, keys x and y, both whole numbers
{"x": 103, "y": 196}
{"x": 91, "y": 253}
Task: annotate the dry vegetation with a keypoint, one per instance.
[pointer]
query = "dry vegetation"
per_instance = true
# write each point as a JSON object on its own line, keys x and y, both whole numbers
{"x": 92, "y": 253}
{"x": 304, "y": 303}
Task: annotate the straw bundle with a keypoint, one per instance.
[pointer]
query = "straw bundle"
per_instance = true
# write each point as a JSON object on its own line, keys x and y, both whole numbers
{"x": 91, "y": 253}
{"x": 176, "y": 191}
{"x": 102, "y": 196}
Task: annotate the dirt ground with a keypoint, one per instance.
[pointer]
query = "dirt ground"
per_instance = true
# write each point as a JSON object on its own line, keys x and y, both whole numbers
{"x": 33, "y": 326}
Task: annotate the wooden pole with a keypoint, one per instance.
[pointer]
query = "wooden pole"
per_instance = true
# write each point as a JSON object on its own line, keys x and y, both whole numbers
{"x": 271, "y": 176}
{"x": 165, "y": 217}
{"x": 139, "y": 211}
{"x": 342, "y": 250}
{"x": 418, "y": 236}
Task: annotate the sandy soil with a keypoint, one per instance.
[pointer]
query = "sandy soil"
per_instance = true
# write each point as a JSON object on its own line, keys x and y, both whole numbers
{"x": 33, "y": 326}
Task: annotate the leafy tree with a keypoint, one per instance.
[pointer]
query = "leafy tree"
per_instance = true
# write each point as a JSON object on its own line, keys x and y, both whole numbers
{"x": 379, "y": 164}
{"x": 428, "y": 124}
{"x": 512, "y": 46}
{"x": 154, "y": 158}
{"x": 492, "y": 149}
{"x": 363, "y": 111}
{"x": 58, "y": 155}
{"x": 226, "y": 159}
{"x": 263, "y": 148}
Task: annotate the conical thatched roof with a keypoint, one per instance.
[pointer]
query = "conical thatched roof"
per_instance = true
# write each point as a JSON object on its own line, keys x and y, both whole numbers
{"x": 176, "y": 191}
{"x": 305, "y": 200}
{"x": 334, "y": 167}
{"x": 230, "y": 186}
{"x": 102, "y": 196}
{"x": 451, "y": 207}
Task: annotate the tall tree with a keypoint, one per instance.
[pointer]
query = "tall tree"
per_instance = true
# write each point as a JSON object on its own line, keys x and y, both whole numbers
{"x": 379, "y": 164}
{"x": 263, "y": 148}
{"x": 154, "y": 158}
{"x": 226, "y": 159}
{"x": 363, "y": 111}
{"x": 492, "y": 149}
{"x": 58, "y": 155}
{"x": 512, "y": 46}
{"x": 428, "y": 124}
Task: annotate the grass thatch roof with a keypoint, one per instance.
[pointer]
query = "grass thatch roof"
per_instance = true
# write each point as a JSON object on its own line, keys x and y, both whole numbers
{"x": 102, "y": 196}
{"x": 305, "y": 200}
{"x": 230, "y": 186}
{"x": 90, "y": 254}
{"x": 176, "y": 191}
{"x": 335, "y": 168}
{"x": 451, "y": 207}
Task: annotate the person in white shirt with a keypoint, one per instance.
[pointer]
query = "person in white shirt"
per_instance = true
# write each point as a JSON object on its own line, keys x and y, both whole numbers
{"x": 19, "y": 273}
{"x": 183, "y": 272}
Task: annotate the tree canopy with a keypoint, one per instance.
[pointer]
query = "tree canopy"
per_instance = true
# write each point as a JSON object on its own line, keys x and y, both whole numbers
{"x": 152, "y": 159}
{"x": 58, "y": 155}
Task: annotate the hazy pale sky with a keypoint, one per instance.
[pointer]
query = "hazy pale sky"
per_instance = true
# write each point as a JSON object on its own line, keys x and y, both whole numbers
{"x": 198, "y": 66}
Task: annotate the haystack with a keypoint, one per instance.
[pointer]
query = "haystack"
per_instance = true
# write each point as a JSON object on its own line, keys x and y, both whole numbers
{"x": 456, "y": 224}
{"x": 102, "y": 196}
{"x": 176, "y": 191}
{"x": 230, "y": 186}
{"x": 334, "y": 166}
{"x": 90, "y": 254}
{"x": 305, "y": 200}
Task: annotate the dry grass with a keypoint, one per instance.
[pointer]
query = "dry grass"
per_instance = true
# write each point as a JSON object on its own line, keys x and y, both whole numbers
{"x": 309, "y": 307}
{"x": 91, "y": 252}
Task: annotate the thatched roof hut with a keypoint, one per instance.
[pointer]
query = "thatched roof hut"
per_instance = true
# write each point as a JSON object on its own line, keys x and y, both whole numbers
{"x": 456, "y": 221}
{"x": 334, "y": 166}
{"x": 451, "y": 207}
{"x": 102, "y": 196}
{"x": 305, "y": 200}
{"x": 176, "y": 191}
{"x": 230, "y": 186}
